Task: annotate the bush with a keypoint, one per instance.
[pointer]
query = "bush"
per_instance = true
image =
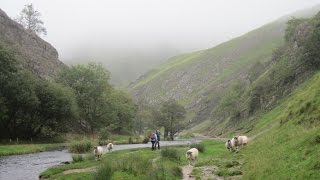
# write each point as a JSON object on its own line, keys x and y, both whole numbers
{"x": 170, "y": 153}
{"x": 145, "y": 140}
{"x": 104, "y": 133}
{"x": 130, "y": 141}
{"x": 199, "y": 146}
{"x": 77, "y": 158}
{"x": 317, "y": 139}
{"x": 80, "y": 146}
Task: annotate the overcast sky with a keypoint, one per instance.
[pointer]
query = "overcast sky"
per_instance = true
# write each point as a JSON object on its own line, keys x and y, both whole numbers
{"x": 186, "y": 25}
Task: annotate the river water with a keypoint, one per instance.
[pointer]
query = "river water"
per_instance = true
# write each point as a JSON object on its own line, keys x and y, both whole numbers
{"x": 29, "y": 166}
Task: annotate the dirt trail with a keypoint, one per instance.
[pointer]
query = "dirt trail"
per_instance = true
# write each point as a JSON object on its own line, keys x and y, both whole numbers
{"x": 207, "y": 172}
{"x": 186, "y": 171}
{"x": 90, "y": 169}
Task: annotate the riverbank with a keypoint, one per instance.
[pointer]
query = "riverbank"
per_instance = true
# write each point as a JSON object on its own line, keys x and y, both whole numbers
{"x": 214, "y": 162}
{"x": 6, "y": 150}
{"x": 26, "y": 148}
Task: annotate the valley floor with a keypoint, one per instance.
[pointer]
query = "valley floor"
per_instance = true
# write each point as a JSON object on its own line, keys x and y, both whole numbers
{"x": 214, "y": 163}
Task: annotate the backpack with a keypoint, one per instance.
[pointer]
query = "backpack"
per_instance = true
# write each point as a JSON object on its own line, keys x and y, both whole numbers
{"x": 152, "y": 136}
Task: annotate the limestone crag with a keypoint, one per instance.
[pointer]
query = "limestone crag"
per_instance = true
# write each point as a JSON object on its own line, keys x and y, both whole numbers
{"x": 32, "y": 52}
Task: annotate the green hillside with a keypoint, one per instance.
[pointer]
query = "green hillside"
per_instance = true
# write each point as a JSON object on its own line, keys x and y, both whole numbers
{"x": 222, "y": 86}
{"x": 290, "y": 146}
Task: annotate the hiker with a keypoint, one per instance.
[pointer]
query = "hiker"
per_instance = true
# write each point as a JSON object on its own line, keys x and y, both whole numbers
{"x": 158, "y": 139}
{"x": 153, "y": 139}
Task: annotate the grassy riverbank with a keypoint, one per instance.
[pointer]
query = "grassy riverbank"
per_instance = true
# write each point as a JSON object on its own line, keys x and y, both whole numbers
{"x": 6, "y": 150}
{"x": 143, "y": 163}
{"x": 27, "y": 147}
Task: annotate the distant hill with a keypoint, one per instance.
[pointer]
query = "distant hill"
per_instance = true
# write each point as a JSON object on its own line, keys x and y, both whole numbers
{"x": 32, "y": 52}
{"x": 227, "y": 86}
{"x": 124, "y": 65}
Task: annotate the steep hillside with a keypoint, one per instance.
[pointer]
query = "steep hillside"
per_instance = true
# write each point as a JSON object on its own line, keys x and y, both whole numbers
{"x": 227, "y": 84}
{"x": 32, "y": 52}
{"x": 289, "y": 145}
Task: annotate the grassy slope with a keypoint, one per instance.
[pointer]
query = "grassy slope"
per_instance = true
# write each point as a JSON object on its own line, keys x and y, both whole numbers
{"x": 290, "y": 148}
{"x": 186, "y": 60}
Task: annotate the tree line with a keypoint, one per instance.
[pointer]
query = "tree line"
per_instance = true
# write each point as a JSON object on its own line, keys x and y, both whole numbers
{"x": 79, "y": 100}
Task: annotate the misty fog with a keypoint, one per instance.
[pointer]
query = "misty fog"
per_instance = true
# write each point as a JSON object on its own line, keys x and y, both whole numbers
{"x": 132, "y": 37}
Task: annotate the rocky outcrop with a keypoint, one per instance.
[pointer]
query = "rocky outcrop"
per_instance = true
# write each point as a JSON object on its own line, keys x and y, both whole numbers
{"x": 32, "y": 52}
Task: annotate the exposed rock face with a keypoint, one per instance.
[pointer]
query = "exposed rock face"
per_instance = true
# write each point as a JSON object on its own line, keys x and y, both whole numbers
{"x": 32, "y": 52}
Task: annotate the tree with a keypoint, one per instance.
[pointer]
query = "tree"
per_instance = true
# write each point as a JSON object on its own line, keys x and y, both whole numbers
{"x": 125, "y": 111}
{"x": 57, "y": 110}
{"x": 171, "y": 117}
{"x": 29, "y": 18}
{"x": 92, "y": 90}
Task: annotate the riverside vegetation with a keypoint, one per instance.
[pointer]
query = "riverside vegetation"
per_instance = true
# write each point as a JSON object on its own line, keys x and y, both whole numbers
{"x": 265, "y": 84}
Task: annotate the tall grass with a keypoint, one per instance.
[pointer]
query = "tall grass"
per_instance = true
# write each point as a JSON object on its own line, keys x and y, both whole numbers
{"x": 170, "y": 153}
{"x": 139, "y": 166}
{"x": 81, "y": 146}
{"x": 200, "y": 146}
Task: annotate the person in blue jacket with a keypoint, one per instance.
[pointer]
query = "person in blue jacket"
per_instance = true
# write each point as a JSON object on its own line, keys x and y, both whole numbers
{"x": 158, "y": 139}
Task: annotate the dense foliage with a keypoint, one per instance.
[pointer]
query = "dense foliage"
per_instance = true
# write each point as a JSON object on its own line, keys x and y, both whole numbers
{"x": 99, "y": 104}
{"x": 82, "y": 100}
{"x": 32, "y": 107}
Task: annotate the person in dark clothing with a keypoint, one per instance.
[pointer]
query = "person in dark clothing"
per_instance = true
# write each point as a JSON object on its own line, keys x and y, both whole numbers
{"x": 158, "y": 139}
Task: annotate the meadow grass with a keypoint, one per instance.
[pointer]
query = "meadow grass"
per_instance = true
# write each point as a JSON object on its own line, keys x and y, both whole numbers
{"x": 127, "y": 164}
{"x": 6, "y": 150}
{"x": 290, "y": 149}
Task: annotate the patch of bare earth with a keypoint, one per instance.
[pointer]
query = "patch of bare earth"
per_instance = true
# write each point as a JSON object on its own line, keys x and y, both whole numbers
{"x": 186, "y": 171}
{"x": 71, "y": 171}
{"x": 207, "y": 172}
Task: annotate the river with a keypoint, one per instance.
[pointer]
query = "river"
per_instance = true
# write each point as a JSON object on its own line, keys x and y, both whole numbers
{"x": 29, "y": 166}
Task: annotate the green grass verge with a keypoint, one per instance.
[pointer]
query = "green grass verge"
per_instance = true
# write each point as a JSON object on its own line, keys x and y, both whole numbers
{"x": 125, "y": 164}
{"x": 6, "y": 150}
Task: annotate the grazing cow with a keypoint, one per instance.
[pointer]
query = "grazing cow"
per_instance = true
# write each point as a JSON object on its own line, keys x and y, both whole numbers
{"x": 192, "y": 155}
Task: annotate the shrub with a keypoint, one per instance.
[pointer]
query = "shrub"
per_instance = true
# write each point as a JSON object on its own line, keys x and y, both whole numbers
{"x": 145, "y": 140}
{"x": 199, "y": 146}
{"x": 81, "y": 146}
{"x": 77, "y": 158}
{"x": 104, "y": 134}
{"x": 317, "y": 138}
{"x": 170, "y": 153}
{"x": 130, "y": 141}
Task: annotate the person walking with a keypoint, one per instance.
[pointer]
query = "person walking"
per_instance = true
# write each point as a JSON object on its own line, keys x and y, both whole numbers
{"x": 158, "y": 139}
{"x": 153, "y": 139}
